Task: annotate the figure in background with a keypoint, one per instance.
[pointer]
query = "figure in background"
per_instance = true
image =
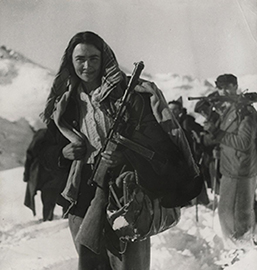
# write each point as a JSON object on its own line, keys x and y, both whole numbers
{"x": 82, "y": 103}
{"x": 193, "y": 131}
{"x": 236, "y": 135}
{"x": 38, "y": 178}
{"x": 209, "y": 168}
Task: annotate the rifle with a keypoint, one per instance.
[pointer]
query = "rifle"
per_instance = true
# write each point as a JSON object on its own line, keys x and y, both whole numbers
{"x": 241, "y": 99}
{"x": 92, "y": 225}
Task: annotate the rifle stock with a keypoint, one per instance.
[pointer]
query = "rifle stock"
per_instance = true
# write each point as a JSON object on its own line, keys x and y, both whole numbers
{"x": 90, "y": 232}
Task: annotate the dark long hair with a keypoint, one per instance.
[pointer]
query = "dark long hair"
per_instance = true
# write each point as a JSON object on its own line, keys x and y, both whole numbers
{"x": 84, "y": 38}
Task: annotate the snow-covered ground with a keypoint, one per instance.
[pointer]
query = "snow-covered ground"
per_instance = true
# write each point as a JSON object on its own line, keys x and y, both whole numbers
{"x": 27, "y": 243}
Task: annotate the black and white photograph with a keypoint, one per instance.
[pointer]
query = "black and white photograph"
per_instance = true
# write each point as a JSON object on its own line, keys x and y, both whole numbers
{"x": 128, "y": 135}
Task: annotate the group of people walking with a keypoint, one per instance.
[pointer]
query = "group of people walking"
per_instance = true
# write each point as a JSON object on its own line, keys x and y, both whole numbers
{"x": 157, "y": 138}
{"x": 228, "y": 136}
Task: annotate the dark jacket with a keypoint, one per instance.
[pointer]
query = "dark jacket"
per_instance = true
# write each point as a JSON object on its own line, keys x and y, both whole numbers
{"x": 51, "y": 156}
{"x": 141, "y": 127}
{"x": 189, "y": 125}
{"x": 37, "y": 176}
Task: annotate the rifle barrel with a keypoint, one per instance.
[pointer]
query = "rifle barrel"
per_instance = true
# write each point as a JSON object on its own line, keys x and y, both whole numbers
{"x": 195, "y": 98}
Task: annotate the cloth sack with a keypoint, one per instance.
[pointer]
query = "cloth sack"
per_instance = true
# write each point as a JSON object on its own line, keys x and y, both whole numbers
{"x": 140, "y": 216}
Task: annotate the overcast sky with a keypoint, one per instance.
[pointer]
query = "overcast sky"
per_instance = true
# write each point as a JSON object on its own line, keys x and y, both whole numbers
{"x": 202, "y": 38}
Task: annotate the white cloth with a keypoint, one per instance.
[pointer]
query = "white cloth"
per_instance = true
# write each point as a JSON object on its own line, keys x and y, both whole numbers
{"x": 93, "y": 123}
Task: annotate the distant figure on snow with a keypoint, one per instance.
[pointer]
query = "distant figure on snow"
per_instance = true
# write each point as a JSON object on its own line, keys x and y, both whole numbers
{"x": 192, "y": 130}
{"x": 209, "y": 168}
{"x": 38, "y": 178}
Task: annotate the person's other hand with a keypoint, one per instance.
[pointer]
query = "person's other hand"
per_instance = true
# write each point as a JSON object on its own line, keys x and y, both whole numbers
{"x": 74, "y": 151}
{"x": 196, "y": 136}
{"x": 146, "y": 87}
{"x": 113, "y": 158}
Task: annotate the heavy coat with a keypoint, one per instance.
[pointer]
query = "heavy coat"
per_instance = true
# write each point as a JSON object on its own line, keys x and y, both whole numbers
{"x": 154, "y": 138}
{"x": 238, "y": 159}
{"x": 237, "y": 137}
{"x": 161, "y": 129}
{"x": 38, "y": 177}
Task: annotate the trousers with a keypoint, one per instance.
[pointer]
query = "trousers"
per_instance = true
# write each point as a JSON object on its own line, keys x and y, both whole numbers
{"x": 134, "y": 256}
{"x": 236, "y": 211}
{"x": 88, "y": 260}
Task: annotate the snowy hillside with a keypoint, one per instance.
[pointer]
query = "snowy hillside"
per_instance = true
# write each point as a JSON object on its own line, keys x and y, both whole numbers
{"x": 30, "y": 244}
{"x": 24, "y": 87}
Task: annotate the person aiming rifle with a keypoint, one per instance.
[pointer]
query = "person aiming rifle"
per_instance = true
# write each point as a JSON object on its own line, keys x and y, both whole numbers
{"x": 239, "y": 100}
{"x": 104, "y": 128}
{"x": 236, "y": 135}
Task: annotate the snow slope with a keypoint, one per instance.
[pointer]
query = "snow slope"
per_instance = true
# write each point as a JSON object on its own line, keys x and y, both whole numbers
{"x": 24, "y": 87}
{"x": 30, "y": 244}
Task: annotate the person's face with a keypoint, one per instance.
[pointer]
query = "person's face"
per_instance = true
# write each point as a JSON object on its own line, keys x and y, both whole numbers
{"x": 204, "y": 114}
{"x": 228, "y": 90}
{"x": 175, "y": 109}
{"x": 87, "y": 61}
